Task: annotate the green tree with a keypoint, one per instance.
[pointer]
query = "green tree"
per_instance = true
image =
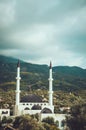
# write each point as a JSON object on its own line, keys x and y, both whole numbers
{"x": 4, "y": 119}
{"x": 35, "y": 116}
{"x": 50, "y": 127}
{"x": 77, "y": 119}
{"x": 9, "y": 120}
{"x": 27, "y": 123}
{"x": 46, "y": 126}
{"x": 49, "y": 120}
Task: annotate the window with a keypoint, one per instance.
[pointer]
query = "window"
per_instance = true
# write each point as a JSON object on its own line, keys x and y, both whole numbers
{"x": 26, "y": 108}
{"x": 57, "y": 123}
{"x": 4, "y": 112}
{"x": 63, "y": 123}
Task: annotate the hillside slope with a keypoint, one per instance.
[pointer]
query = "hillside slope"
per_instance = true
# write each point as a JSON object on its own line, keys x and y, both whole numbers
{"x": 34, "y": 76}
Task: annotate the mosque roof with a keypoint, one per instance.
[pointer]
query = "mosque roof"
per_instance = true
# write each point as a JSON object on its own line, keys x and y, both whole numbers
{"x": 46, "y": 110}
{"x": 31, "y": 98}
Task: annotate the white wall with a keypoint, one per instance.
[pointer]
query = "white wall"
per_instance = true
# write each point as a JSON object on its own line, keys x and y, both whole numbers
{"x": 4, "y": 112}
{"x": 57, "y": 117}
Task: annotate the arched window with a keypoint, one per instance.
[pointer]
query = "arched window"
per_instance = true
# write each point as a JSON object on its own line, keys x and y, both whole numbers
{"x": 62, "y": 123}
{"x": 57, "y": 123}
{"x": 26, "y": 108}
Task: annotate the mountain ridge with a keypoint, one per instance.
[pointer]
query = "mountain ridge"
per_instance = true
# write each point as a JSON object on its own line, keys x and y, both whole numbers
{"x": 65, "y": 77}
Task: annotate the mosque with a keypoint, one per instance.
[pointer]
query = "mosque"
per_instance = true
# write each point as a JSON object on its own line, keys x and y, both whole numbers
{"x": 32, "y": 104}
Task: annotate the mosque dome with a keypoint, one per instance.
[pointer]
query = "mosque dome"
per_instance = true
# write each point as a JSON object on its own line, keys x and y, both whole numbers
{"x": 46, "y": 110}
{"x": 31, "y": 98}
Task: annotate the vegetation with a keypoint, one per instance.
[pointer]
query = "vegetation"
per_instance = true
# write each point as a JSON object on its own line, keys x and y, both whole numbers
{"x": 26, "y": 122}
{"x": 61, "y": 98}
{"x": 69, "y": 83}
{"x": 49, "y": 120}
{"x": 77, "y": 120}
{"x": 35, "y": 76}
{"x": 69, "y": 91}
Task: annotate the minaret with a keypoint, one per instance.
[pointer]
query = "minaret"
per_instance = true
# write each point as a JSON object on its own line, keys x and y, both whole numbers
{"x": 50, "y": 86}
{"x": 18, "y": 84}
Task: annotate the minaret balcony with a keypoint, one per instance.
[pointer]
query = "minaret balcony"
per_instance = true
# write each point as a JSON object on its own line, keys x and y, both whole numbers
{"x": 18, "y": 78}
{"x": 50, "y": 79}
{"x": 17, "y": 91}
{"x": 50, "y": 92}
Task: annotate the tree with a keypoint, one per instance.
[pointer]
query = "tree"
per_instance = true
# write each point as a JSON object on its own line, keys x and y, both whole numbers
{"x": 46, "y": 126}
{"x": 4, "y": 120}
{"x": 54, "y": 127}
{"x": 9, "y": 120}
{"x": 35, "y": 116}
{"x": 49, "y": 123}
{"x": 26, "y": 122}
{"x": 50, "y": 127}
{"x": 77, "y": 119}
{"x": 49, "y": 120}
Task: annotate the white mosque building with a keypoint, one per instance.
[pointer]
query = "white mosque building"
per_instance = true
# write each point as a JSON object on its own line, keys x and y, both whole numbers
{"x": 32, "y": 104}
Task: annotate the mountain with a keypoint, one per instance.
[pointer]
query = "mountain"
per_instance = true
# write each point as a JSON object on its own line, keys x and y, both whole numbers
{"x": 34, "y": 76}
{"x": 5, "y": 59}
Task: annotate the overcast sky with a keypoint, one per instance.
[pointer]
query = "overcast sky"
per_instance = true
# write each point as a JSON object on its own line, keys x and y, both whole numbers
{"x": 38, "y": 31}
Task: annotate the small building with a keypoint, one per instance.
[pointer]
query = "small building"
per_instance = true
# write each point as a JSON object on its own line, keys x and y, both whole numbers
{"x": 4, "y": 113}
{"x": 59, "y": 118}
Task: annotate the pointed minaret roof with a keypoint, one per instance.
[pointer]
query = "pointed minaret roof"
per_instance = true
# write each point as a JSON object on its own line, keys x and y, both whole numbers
{"x": 50, "y": 65}
{"x": 18, "y": 64}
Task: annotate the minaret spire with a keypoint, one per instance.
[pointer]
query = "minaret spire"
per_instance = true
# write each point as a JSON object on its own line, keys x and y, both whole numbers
{"x": 50, "y": 65}
{"x": 50, "y": 86}
{"x": 18, "y": 64}
{"x": 18, "y": 84}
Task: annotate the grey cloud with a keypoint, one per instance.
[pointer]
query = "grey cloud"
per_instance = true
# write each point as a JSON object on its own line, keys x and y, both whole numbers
{"x": 45, "y": 11}
{"x": 45, "y": 29}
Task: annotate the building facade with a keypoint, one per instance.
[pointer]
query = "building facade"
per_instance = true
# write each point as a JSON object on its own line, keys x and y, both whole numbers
{"x": 32, "y": 104}
{"x": 4, "y": 113}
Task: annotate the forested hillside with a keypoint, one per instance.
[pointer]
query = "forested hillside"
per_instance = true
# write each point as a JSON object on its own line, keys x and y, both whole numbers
{"x": 34, "y": 76}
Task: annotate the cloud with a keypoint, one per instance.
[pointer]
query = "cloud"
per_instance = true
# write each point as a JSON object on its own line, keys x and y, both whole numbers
{"x": 7, "y": 13}
{"x": 43, "y": 30}
{"x": 35, "y": 35}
